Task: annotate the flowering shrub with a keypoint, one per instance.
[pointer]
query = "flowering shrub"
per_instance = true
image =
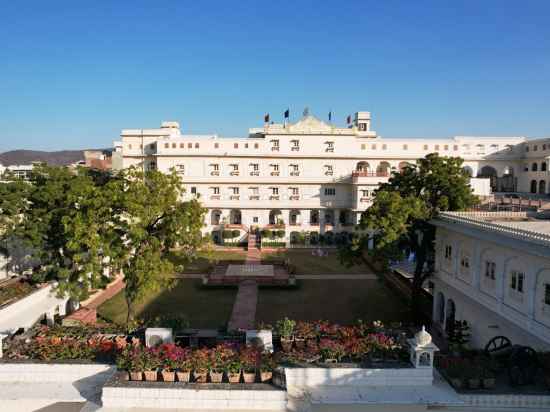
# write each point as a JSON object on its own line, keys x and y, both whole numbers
{"x": 250, "y": 358}
{"x": 305, "y": 330}
{"x": 331, "y": 349}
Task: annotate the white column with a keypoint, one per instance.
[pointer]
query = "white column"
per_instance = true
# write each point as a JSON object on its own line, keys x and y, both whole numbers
{"x": 50, "y": 317}
{"x": 336, "y": 217}
{"x": 321, "y": 221}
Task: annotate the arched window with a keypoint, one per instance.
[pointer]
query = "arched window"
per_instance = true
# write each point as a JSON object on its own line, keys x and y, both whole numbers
{"x": 542, "y": 187}
{"x": 534, "y": 167}
{"x": 543, "y": 167}
{"x": 533, "y": 186}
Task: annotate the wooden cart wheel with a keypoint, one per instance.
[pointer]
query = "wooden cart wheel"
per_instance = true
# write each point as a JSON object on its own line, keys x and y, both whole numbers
{"x": 497, "y": 343}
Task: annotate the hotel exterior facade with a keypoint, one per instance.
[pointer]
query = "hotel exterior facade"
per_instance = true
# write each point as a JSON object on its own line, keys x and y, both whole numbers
{"x": 311, "y": 176}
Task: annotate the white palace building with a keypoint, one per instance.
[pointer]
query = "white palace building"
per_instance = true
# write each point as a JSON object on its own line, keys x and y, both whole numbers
{"x": 314, "y": 176}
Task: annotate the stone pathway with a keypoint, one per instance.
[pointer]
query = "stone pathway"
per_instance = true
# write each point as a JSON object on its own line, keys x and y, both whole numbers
{"x": 243, "y": 315}
{"x": 337, "y": 277}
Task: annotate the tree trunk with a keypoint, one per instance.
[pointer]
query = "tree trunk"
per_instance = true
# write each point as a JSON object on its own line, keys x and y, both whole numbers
{"x": 129, "y": 314}
{"x": 416, "y": 289}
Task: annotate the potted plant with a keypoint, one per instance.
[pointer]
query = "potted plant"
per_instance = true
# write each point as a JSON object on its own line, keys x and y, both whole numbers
{"x": 267, "y": 365}
{"x": 184, "y": 366}
{"x": 168, "y": 355}
{"x": 151, "y": 363}
{"x": 218, "y": 358}
{"x": 233, "y": 370}
{"x": 249, "y": 357}
{"x": 331, "y": 350}
{"x": 305, "y": 332}
{"x": 285, "y": 330}
{"x": 200, "y": 360}
{"x": 123, "y": 363}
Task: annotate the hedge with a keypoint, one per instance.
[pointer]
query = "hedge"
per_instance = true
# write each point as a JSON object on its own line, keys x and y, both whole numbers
{"x": 273, "y": 244}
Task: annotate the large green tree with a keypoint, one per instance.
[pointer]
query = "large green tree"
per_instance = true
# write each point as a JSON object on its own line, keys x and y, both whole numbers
{"x": 152, "y": 220}
{"x": 400, "y": 216}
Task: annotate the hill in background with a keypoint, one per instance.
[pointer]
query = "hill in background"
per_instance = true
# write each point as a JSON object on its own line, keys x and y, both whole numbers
{"x": 23, "y": 157}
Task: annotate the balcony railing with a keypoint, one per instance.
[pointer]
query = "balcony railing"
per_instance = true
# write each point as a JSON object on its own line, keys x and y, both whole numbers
{"x": 254, "y": 197}
{"x": 234, "y": 173}
{"x": 294, "y": 197}
{"x": 275, "y": 149}
{"x": 294, "y": 173}
{"x": 275, "y": 173}
{"x": 274, "y": 197}
{"x": 255, "y": 173}
{"x": 295, "y": 148}
{"x": 329, "y": 173}
{"x": 215, "y": 197}
{"x": 215, "y": 173}
{"x": 368, "y": 173}
{"x": 234, "y": 197}
{"x": 329, "y": 149}
{"x": 365, "y": 199}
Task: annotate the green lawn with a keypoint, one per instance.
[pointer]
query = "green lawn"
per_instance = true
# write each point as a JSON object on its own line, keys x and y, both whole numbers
{"x": 205, "y": 258}
{"x": 306, "y": 264}
{"x": 340, "y": 301}
{"x": 203, "y": 308}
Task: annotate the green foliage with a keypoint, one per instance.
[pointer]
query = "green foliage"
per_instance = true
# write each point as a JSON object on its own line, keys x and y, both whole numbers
{"x": 226, "y": 234}
{"x": 235, "y": 233}
{"x": 268, "y": 234}
{"x": 399, "y": 216}
{"x": 279, "y": 233}
{"x": 285, "y": 327}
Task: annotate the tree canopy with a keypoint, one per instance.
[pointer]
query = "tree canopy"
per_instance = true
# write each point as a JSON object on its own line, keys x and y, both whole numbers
{"x": 83, "y": 224}
{"x": 400, "y": 215}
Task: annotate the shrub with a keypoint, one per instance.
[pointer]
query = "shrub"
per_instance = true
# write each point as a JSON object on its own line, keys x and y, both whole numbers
{"x": 266, "y": 233}
{"x": 235, "y": 233}
{"x": 280, "y": 233}
{"x": 331, "y": 349}
{"x": 227, "y": 234}
{"x": 273, "y": 244}
{"x": 285, "y": 327}
{"x": 314, "y": 238}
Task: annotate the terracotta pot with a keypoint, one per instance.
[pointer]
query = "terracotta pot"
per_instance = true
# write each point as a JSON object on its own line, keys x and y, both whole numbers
{"x": 136, "y": 376}
{"x": 234, "y": 377}
{"x": 200, "y": 377}
{"x": 216, "y": 377}
{"x": 123, "y": 375}
{"x": 183, "y": 376}
{"x": 168, "y": 376}
{"x": 150, "y": 376}
{"x": 249, "y": 377}
{"x": 489, "y": 383}
{"x": 300, "y": 343}
{"x": 456, "y": 382}
{"x": 474, "y": 383}
{"x": 286, "y": 344}
{"x": 265, "y": 376}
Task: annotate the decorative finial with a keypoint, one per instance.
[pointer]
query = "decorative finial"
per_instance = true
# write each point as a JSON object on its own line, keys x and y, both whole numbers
{"x": 306, "y": 111}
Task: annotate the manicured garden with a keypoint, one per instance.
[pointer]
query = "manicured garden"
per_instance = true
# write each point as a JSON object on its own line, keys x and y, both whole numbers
{"x": 204, "y": 260}
{"x": 305, "y": 262}
{"x": 205, "y": 308}
{"x": 340, "y": 301}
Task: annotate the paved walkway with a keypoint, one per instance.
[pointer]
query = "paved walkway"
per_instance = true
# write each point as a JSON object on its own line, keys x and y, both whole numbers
{"x": 363, "y": 276}
{"x": 243, "y": 315}
{"x": 97, "y": 299}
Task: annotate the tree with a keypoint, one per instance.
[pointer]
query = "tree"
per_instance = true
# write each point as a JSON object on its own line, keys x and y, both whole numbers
{"x": 151, "y": 220}
{"x": 401, "y": 212}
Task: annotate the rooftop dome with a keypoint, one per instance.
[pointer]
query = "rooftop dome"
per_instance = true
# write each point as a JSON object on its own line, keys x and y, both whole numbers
{"x": 423, "y": 338}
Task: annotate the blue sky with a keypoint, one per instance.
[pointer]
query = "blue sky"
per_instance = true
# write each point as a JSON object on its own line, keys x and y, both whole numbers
{"x": 73, "y": 73}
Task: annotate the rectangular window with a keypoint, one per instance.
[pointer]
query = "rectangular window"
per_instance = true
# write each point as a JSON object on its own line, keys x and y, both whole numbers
{"x": 235, "y": 167}
{"x": 448, "y": 252}
{"x": 246, "y": 145}
{"x": 255, "y": 219}
{"x": 436, "y": 147}
{"x": 215, "y": 190}
{"x": 425, "y": 147}
{"x": 174, "y": 145}
{"x": 384, "y": 146}
{"x": 363, "y": 147}
{"x": 405, "y": 147}
{"x": 490, "y": 270}
{"x": 446, "y": 147}
{"x": 235, "y": 145}
{"x": 547, "y": 293}
{"x": 167, "y": 145}
{"x": 216, "y": 167}
{"x": 255, "y": 190}
{"x": 235, "y": 190}
{"x": 294, "y": 191}
{"x": 256, "y": 145}
{"x": 193, "y": 190}
{"x": 255, "y": 167}
{"x": 196, "y": 145}
{"x": 373, "y": 147}
{"x": 274, "y": 191}
{"x": 330, "y": 147}
{"x": 190, "y": 145}
{"x": 455, "y": 147}
{"x": 516, "y": 281}
{"x": 216, "y": 145}
{"x": 330, "y": 191}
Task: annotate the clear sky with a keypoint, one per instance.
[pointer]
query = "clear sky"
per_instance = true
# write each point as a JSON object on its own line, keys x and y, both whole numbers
{"x": 74, "y": 73}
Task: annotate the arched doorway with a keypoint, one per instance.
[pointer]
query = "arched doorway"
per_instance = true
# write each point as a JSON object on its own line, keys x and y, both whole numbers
{"x": 275, "y": 217}
{"x": 215, "y": 217}
{"x": 362, "y": 167}
{"x": 383, "y": 169}
{"x": 468, "y": 171}
{"x": 491, "y": 173}
{"x": 235, "y": 217}
{"x": 533, "y": 186}
{"x": 542, "y": 187}
{"x": 314, "y": 217}
{"x": 294, "y": 217}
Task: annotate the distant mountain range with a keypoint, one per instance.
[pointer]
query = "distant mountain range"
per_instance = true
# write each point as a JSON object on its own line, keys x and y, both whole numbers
{"x": 23, "y": 157}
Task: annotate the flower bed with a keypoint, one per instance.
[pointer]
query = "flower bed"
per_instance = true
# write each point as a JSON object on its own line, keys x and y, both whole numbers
{"x": 60, "y": 343}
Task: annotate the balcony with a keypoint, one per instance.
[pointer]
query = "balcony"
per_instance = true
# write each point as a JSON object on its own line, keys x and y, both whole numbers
{"x": 234, "y": 197}
{"x": 329, "y": 150}
{"x": 369, "y": 177}
{"x": 254, "y": 197}
{"x": 275, "y": 149}
{"x": 294, "y": 197}
{"x": 215, "y": 197}
{"x": 215, "y": 173}
{"x": 329, "y": 173}
{"x": 294, "y": 173}
{"x": 234, "y": 173}
{"x": 365, "y": 199}
{"x": 274, "y": 197}
{"x": 295, "y": 148}
{"x": 275, "y": 173}
{"x": 255, "y": 173}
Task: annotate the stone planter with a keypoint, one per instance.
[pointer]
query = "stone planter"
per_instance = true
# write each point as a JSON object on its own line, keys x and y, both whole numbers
{"x": 234, "y": 377}
{"x": 168, "y": 376}
{"x": 136, "y": 376}
{"x": 286, "y": 343}
{"x": 489, "y": 383}
{"x": 474, "y": 383}
{"x": 265, "y": 376}
{"x": 249, "y": 377}
{"x": 184, "y": 376}
{"x": 200, "y": 377}
{"x": 150, "y": 376}
{"x": 216, "y": 377}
